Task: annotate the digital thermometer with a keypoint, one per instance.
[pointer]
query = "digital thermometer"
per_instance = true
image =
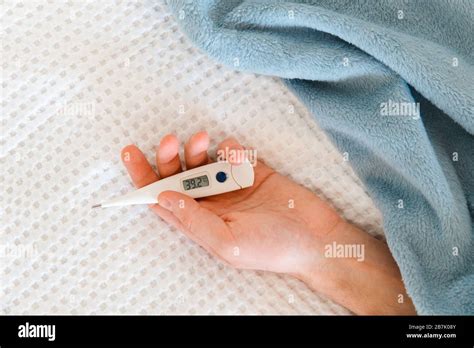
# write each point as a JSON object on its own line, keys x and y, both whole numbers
{"x": 211, "y": 179}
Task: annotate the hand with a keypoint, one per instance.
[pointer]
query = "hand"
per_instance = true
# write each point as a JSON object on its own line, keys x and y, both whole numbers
{"x": 274, "y": 225}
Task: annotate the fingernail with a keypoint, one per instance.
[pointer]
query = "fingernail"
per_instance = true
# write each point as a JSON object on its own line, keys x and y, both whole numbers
{"x": 163, "y": 202}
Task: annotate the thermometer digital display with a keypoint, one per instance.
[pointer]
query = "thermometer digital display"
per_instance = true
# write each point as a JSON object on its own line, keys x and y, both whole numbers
{"x": 200, "y": 181}
{"x": 211, "y": 179}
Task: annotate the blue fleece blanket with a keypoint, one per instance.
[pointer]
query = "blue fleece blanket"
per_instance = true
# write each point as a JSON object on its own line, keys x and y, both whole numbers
{"x": 391, "y": 82}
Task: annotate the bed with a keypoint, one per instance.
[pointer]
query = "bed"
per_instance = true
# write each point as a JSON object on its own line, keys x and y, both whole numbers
{"x": 82, "y": 79}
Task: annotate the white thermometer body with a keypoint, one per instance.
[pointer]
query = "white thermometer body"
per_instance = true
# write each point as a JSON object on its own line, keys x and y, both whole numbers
{"x": 211, "y": 179}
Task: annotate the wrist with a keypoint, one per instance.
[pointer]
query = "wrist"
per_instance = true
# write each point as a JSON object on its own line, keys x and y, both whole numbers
{"x": 319, "y": 220}
{"x": 357, "y": 271}
{"x": 320, "y": 272}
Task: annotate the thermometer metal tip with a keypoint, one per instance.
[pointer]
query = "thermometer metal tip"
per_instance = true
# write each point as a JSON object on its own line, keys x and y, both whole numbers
{"x": 96, "y": 206}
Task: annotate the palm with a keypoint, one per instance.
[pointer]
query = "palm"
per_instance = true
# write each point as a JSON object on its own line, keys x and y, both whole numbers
{"x": 265, "y": 221}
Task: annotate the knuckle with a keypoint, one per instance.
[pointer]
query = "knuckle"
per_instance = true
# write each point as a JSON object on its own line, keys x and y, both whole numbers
{"x": 189, "y": 215}
{"x": 229, "y": 254}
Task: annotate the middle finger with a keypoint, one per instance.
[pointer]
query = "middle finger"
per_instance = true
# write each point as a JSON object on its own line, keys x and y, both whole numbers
{"x": 167, "y": 156}
{"x": 195, "y": 150}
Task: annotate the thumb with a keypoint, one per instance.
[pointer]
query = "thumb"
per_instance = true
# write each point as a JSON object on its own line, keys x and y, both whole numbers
{"x": 199, "y": 223}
